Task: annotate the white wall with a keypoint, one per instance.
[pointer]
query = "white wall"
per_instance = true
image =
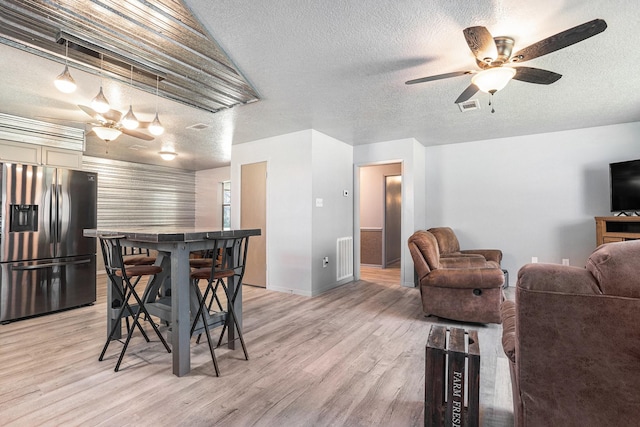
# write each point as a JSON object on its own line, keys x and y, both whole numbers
{"x": 411, "y": 154}
{"x": 301, "y": 167}
{"x": 534, "y": 195}
{"x": 289, "y": 206}
{"x": 209, "y": 196}
{"x": 332, "y": 175}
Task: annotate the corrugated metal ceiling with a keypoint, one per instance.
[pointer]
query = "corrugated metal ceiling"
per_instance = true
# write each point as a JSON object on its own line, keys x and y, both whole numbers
{"x": 160, "y": 38}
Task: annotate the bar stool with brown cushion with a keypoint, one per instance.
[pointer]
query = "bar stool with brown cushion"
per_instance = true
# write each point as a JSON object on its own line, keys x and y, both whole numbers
{"x": 137, "y": 256}
{"x": 230, "y": 263}
{"x": 124, "y": 280}
{"x": 203, "y": 259}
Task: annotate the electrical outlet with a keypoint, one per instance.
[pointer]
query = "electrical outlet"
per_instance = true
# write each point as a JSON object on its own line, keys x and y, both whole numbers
{"x": 565, "y": 261}
{"x": 325, "y": 262}
{"x": 534, "y": 259}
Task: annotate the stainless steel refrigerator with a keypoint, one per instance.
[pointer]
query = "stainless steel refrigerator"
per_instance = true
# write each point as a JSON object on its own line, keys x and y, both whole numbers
{"x": 46, "y": 264}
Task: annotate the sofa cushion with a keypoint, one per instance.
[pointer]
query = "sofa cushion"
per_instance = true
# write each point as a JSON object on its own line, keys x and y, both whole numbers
{"x": 615, "y": 268}
{"x": 508, "y": 317}
{"x": 427, "y": 247}
{"x": 466, "y": 278}
{"x": 447, "y": 240}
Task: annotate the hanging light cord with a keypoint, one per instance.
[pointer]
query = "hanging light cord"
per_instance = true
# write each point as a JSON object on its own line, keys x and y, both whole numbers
{"x": 131, "y": 86}
{"x": 101, "y": 59}
{"x": 157, "y": 83}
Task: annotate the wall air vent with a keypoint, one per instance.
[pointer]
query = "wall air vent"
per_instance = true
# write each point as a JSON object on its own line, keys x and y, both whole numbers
{"x": 472, "y": 104}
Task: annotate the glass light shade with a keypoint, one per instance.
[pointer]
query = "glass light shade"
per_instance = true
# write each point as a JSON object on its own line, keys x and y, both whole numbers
{"x": 100, "y": 103}
{"x": 107, "y": 133}
{"x": 168, "y": 155}
{"x": 129, "y": 120}
{"x": 64, "y": 82}
{"x": 155, "y": 127}
{"x": 493, "y": 79}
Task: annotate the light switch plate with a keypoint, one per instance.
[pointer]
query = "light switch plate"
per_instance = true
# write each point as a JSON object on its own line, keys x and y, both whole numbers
{"x": 319, "y": 203}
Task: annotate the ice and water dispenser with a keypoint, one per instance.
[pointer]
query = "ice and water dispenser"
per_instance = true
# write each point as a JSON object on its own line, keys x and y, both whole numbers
{"x": 23, "y": 218}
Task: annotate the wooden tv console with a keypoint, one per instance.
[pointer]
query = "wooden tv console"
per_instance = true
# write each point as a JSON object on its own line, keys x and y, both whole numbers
{"x": 617, "y": 228}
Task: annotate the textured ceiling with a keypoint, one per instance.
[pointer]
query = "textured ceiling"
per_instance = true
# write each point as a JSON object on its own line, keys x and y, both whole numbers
{"x": 340, "y": 68}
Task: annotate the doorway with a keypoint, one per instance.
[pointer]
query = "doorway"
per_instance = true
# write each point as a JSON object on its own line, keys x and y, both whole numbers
{"x": 392, "y": 220}
{"x": 253, "y": 214}
{"x": 380, "y": 215}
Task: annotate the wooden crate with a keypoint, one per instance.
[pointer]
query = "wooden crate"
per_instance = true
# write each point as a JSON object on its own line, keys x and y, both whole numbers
{"x": 452, "y": 378}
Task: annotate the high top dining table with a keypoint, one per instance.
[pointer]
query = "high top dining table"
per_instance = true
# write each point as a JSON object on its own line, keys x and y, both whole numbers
{"x": 173, "y": 246}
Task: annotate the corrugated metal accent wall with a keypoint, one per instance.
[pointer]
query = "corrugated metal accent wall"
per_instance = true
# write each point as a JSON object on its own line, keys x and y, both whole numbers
{"x": 133, "y": 194}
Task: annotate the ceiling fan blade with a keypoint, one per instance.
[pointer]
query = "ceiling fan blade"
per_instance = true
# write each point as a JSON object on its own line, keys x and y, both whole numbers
{"x": 90, "y": 112}
{"x": 112, "y": 115}
{"x": 438, "y": 77}
{"x": 468, "y": 93}
{"x": 481, "y": 43}
{"x": 560, "y": 40}
{"x": 536, "y": 75}
{"x": 136, "y": 134}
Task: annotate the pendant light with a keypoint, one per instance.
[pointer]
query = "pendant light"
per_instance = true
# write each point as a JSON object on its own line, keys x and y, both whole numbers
{"x": 155, "y": 127}
{"x": 64, "y": 82}
{"x": 129, "y": 121}
{"x": 100, "y": 103}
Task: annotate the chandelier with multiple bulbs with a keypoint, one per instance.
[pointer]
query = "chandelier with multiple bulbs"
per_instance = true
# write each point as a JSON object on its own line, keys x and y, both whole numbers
{"x": 109, "y": 131}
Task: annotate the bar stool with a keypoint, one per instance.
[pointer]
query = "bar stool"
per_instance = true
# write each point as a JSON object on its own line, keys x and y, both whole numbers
{"x": 203, "y": 259}
{"x": 137, "y": 256}
{"x": 124, "y": 280}
{"x": 230, "y": 263}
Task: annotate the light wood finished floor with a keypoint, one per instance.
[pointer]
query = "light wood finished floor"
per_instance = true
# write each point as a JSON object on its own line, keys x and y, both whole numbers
{"x": 351, "y": 357}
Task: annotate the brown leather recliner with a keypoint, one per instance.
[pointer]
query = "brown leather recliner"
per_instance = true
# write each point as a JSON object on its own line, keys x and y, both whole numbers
{"x": 468, "y": 289}
{"x": 573, "y": 341}
{"x": 450, "y": 247}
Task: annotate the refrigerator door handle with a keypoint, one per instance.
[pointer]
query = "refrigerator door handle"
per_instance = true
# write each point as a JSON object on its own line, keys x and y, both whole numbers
{"x": 58, "y": 214}
{"x": 53, "y": 209}
{"x": 50, "y": 264}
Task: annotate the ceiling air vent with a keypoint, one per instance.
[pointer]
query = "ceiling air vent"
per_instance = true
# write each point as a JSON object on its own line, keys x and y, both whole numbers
{"x": 472, "y": 104}
{"x": 198, "y": 126}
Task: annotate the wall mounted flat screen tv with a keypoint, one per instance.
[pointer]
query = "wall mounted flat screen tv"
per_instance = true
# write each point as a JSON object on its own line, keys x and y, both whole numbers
{"x": 624, "y": 178}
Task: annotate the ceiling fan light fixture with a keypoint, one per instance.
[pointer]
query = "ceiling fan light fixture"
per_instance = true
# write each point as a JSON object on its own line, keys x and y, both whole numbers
{"x": 130, "y": 121}
{"x": 493, "y": 79}
{"x": 107, "y": 133}
{"x": 168, "y": 155}
{"x": 100, "y": 103}
{"x": 155, "y": 127}
{"x": 64, "y": 82}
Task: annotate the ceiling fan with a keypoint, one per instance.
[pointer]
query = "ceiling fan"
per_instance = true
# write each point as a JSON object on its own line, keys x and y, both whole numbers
{"x": 494, "y": 56}
{"x": 109, "y": 125}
